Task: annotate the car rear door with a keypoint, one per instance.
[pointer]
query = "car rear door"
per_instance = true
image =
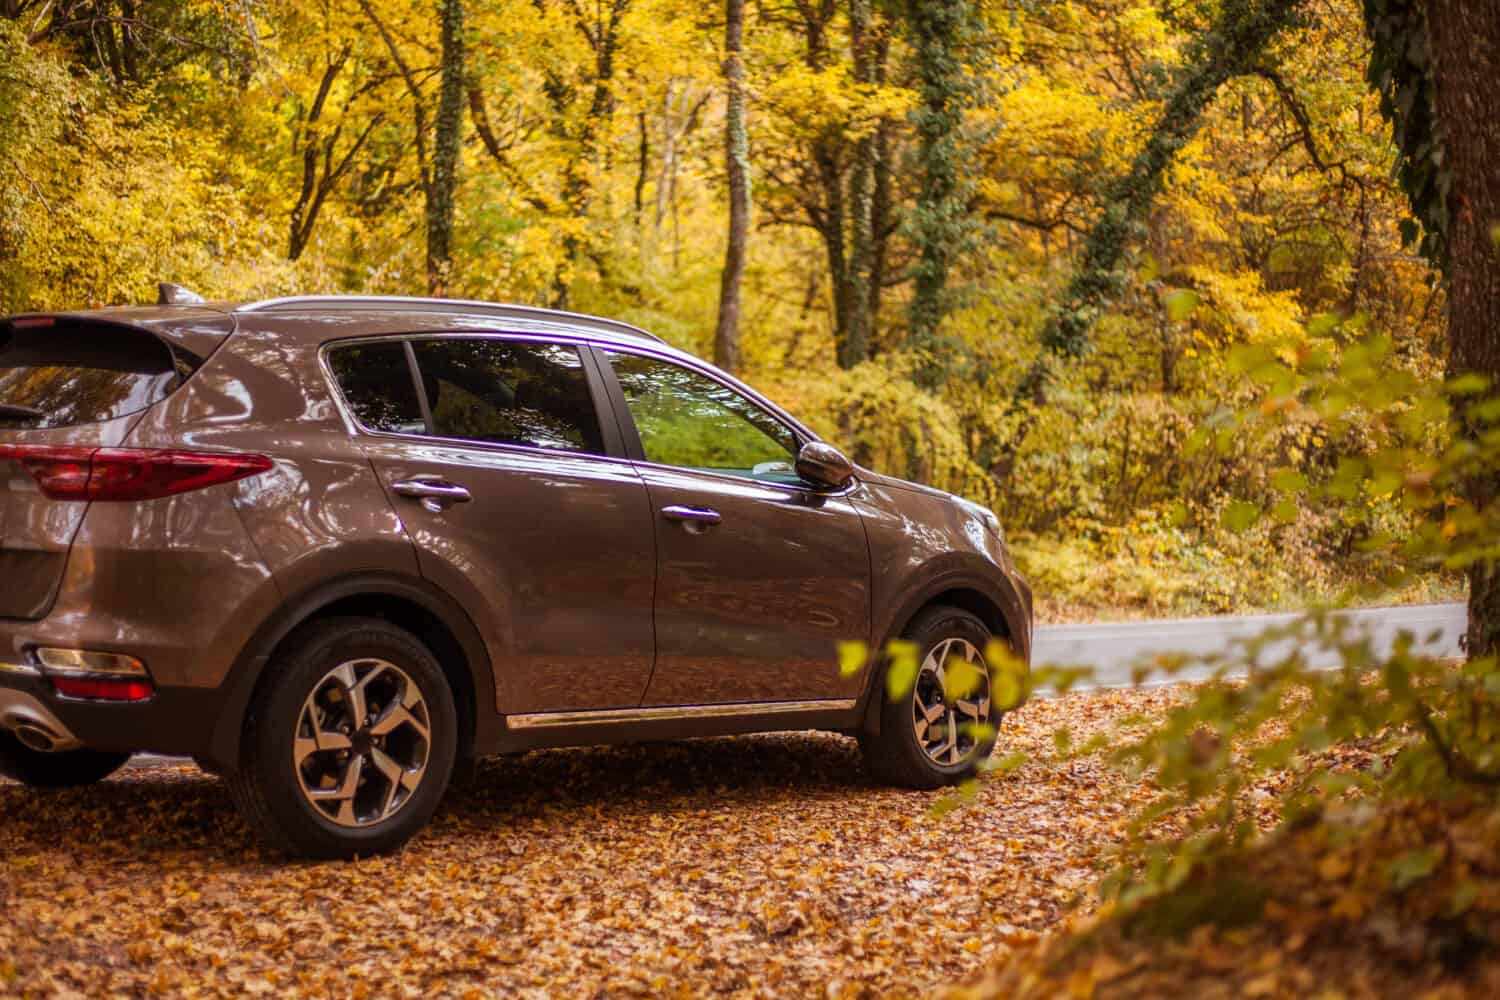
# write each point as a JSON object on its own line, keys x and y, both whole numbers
{"x": 759, "y": 575}
{"x": 66, "y": 388}
{"x": 518, "y": 502}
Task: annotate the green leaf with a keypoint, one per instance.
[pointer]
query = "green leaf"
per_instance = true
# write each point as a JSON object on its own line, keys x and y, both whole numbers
{"x": 1005, "y": 690}
{"x": 1244, "y": 357}
{"x": 1063, "y": 740}
{"x": 1240, "y": 515}
{"x": 1413, "y": 866}
{"x": 1009, "y": 675}
{"x": 1006, "y": 764}
{"x": 1288, "y": 480}
{"x": 852, "y": 658}
{"x": 1464, "y": 898}
{"x": 901, "y": 674}
{"x": 1181, "y": 304}
{"x": 960, "y": 678}
{"x": 1322, "y": 324}
{"x": 1468, "y": 384}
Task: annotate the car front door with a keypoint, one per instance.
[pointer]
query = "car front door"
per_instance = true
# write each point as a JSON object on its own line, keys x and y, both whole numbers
{"x": 499, "y": 467}
{"x": 759, "y": 575}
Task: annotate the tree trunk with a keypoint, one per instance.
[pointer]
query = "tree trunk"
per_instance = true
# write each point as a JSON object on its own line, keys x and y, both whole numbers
{"x": 938, "y": 28}
{"x": 447, "y": 129}
{"x": 643, "y": 163}
{"x": 855, "y": 345}
{"x": 1464, "y": 36}
{"x": 835, "y": 221}
{"x": 882, "y": 223}
{"x": 603, "y": 36}
{"x": 737, "y": 166}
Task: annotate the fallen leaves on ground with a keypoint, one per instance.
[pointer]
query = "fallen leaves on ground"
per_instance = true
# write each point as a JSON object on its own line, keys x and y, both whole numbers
{"x": 765, "y": 865}
{"x": 1399, "y": 900}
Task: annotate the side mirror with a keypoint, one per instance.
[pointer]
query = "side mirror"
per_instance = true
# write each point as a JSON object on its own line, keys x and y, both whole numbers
{"x": 824, "y": 465}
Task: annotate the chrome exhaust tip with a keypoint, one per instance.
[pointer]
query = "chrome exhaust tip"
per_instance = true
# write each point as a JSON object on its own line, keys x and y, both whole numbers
{"x": 33, "y": 725}
{"x": 35, "y": 738}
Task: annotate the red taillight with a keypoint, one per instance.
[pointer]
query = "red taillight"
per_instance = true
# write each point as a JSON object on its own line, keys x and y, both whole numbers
{"x": 128, "y": 473}
{"x": 62, "y": 473}
{"x": 103, "y": 689}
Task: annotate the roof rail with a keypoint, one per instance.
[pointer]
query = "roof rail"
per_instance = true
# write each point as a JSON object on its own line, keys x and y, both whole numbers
{"x": 416, "y": 304}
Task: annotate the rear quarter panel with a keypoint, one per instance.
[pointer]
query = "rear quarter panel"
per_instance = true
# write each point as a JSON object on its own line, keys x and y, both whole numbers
{"x": 320, "y": 514}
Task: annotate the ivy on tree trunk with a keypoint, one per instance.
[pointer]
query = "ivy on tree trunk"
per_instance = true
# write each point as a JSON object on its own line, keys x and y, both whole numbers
{"x": 940, "y": 32}
{"x": 1436, "y": 64}
{"x": 1235, "y": 44}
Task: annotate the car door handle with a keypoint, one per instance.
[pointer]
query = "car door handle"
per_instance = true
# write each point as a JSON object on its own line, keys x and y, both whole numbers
{"x": 435, "y": 494}
{"x": 691, "y": 515}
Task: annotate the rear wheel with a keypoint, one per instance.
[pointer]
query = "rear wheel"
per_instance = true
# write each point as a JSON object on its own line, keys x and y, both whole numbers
{"x": 930, "y": 736}
{"x": 350, "y": 743}
{"x": 69, "y": 769}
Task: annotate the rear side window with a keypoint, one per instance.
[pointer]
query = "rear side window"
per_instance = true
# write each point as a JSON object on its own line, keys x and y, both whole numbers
{"x": 377, "y": 382}
{"x": 509, "y": 392}
{"x": 69, "y": 374}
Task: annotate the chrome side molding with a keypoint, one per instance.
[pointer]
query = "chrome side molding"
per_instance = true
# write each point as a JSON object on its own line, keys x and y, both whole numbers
{"x": 595, "y": 717}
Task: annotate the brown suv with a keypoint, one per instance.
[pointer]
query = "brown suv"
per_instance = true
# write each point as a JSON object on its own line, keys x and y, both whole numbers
{"x": 332, "y": 546}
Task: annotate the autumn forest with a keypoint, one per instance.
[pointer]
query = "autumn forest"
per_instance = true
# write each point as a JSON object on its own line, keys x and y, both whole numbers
{"x": 1030, "y": 252}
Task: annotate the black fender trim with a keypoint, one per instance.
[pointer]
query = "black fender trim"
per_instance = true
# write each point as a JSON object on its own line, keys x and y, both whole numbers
{"x": 238, "y": 688}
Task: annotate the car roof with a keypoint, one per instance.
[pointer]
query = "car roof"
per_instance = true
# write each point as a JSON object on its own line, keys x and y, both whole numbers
{"x": 313, "y": 320}
{"x": 378, "y": 312}
{"x": 316, "y": 319}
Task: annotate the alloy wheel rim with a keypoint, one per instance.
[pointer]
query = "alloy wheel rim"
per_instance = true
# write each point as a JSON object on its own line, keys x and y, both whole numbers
{"x": 946, "y": 727}
{"x": 362, "y": 742}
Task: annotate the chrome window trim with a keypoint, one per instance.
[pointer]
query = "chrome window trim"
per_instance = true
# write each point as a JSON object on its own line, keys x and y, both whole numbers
{"x": 736, "y": 710}
{"x": 731, "y": 478}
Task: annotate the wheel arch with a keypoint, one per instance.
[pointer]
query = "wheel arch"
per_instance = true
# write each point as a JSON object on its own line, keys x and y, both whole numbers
{"x": 410, "y": 603}
{"x": 999, "y": 605}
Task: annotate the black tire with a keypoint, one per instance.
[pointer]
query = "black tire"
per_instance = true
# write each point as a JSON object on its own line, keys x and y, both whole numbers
{"x": 69, "y": 769}
{"x": 894, "y": 755}
{"x": 267, "y": 787}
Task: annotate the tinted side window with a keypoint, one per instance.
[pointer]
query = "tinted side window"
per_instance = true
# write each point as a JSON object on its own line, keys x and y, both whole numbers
{"x": 509, "y": 392}
{"x": 377, "y": 382}
{"x": 690, "y": 420}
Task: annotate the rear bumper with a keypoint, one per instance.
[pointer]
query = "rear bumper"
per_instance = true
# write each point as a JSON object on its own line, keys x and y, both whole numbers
{"x": 174, "y": 721}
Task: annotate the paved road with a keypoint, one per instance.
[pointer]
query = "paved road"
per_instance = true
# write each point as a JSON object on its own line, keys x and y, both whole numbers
{"x": 1112, "y": 648}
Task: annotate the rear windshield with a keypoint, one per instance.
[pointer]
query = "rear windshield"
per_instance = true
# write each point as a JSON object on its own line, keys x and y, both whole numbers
{"x": 68, "y": 374}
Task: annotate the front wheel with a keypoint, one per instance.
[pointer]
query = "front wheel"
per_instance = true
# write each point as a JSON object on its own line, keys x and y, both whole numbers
{"x": 350, "y": 743}
{"x": 932, "y": 736}
{"x": 68, "y": 769}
